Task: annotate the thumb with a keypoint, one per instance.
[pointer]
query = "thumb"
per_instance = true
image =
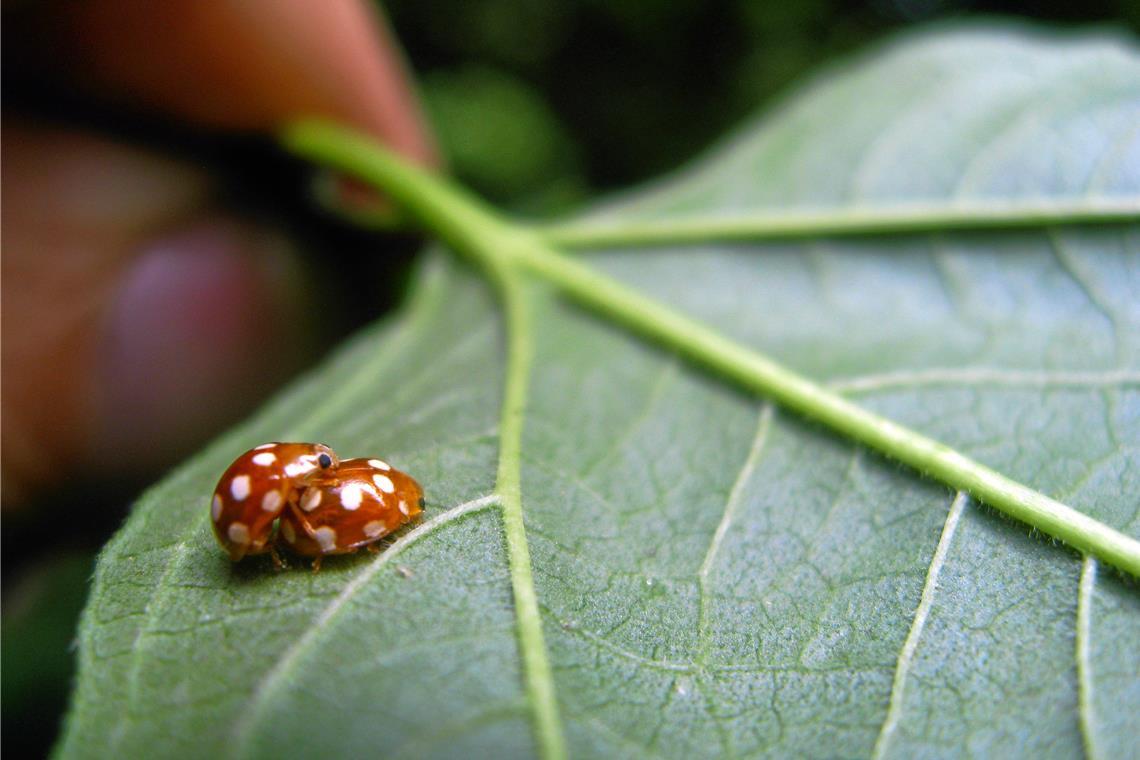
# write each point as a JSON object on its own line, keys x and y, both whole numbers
{"x": 135, "y": 317}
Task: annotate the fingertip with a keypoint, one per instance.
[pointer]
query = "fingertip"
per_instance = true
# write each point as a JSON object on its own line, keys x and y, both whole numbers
{"x": 81, "y": 204}
{"x": 136, "y": 321}
{"x": 242, "y": 64}
{"x": 206, "y": 319}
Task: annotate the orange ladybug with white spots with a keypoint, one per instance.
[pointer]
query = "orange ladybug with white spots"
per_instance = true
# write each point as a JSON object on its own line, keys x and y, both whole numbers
{"x": 254, "y": 491}
{"x": 359, "y": 504}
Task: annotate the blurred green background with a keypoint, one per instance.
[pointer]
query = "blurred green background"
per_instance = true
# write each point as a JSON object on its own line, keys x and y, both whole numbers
{"x": 540, "y": 105}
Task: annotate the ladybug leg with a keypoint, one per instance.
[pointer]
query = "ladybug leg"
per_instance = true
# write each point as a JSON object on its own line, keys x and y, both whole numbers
{"x": 303, "y": 519}
{"x": 278, "y": 563}
{"x": 317, "y": 563}
{"x": 374, "y": 548}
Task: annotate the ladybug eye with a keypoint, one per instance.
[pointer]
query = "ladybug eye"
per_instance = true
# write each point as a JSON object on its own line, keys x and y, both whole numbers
{"x": 325, "y": 461}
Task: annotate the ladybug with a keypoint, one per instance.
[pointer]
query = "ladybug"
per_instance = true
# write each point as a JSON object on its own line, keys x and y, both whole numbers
{"x": 256, "y": 488}
{"x": 359, "y": 504}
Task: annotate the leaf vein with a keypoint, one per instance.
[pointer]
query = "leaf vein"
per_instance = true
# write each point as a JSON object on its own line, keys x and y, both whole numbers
{"x": 985, "y": 376}
{"x": 1085, "y": 715}
{"x": 734, "y": 498}
{"x": 732, "y": 505}
{"x": 1111, "y": 157}
{"x": 243, "y": 728}
{"x": 625, "y": 654}
{"x": 657, "y": 392}
{"x": 1071, "y": 268}
{"x": 921, "y": 614}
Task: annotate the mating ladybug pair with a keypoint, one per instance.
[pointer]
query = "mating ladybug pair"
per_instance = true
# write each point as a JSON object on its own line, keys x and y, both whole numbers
{"x": 321, "y": 505}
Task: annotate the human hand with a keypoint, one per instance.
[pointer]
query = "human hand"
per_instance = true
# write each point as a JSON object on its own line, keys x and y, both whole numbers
{"x": 137, "y": 312}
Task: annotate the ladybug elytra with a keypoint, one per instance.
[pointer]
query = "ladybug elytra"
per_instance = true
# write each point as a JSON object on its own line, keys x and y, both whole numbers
{"x": 364, "y": 501}
{"x": 256, "y": 487}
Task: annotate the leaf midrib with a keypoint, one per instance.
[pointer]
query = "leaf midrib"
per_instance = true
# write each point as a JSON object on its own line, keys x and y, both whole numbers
{"x": 853, "y": 221}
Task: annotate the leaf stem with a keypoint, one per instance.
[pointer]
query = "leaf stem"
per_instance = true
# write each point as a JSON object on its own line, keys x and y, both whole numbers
{"x": 508, "y": 485}
{"x": 802, "y": 223}
{"x": 763, "y": 375}
{"x": 471, "y": 228}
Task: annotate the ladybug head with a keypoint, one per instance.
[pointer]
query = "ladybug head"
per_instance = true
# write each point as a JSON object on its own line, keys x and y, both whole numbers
{"x": 307, "y": 463}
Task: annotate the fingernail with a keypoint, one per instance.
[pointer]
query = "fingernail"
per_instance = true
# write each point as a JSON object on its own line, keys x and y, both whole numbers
{"x": 207, "y": 321}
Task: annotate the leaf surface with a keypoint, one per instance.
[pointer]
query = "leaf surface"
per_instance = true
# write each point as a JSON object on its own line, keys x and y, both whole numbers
{"x": 715, "y": 576}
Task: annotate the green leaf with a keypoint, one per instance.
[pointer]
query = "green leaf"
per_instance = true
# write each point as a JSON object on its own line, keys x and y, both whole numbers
{"x": 714, "y": 575}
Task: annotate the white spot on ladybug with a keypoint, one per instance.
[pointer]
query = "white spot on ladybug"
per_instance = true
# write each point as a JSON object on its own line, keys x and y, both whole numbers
{"x": 216, "y": 507}
{"x": 351, "y": 496}
{"x": 264, "y": 446}
{"x": 265, "y": 459}
{"x": 384, "y": 483}
{"x": 303, "y": 467}
{"x": 239, "y": 487}
{"x": 311, "y": 500}
{"x": 288, "y": 532}
{"x": 271, "y": 502}
{"x": 375, "y": 528}
{"x": 326, "y": 537}
{"x": 379, "y": 464}
{"x": 404, "y": 507}
{"x": 238, "y": 533}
